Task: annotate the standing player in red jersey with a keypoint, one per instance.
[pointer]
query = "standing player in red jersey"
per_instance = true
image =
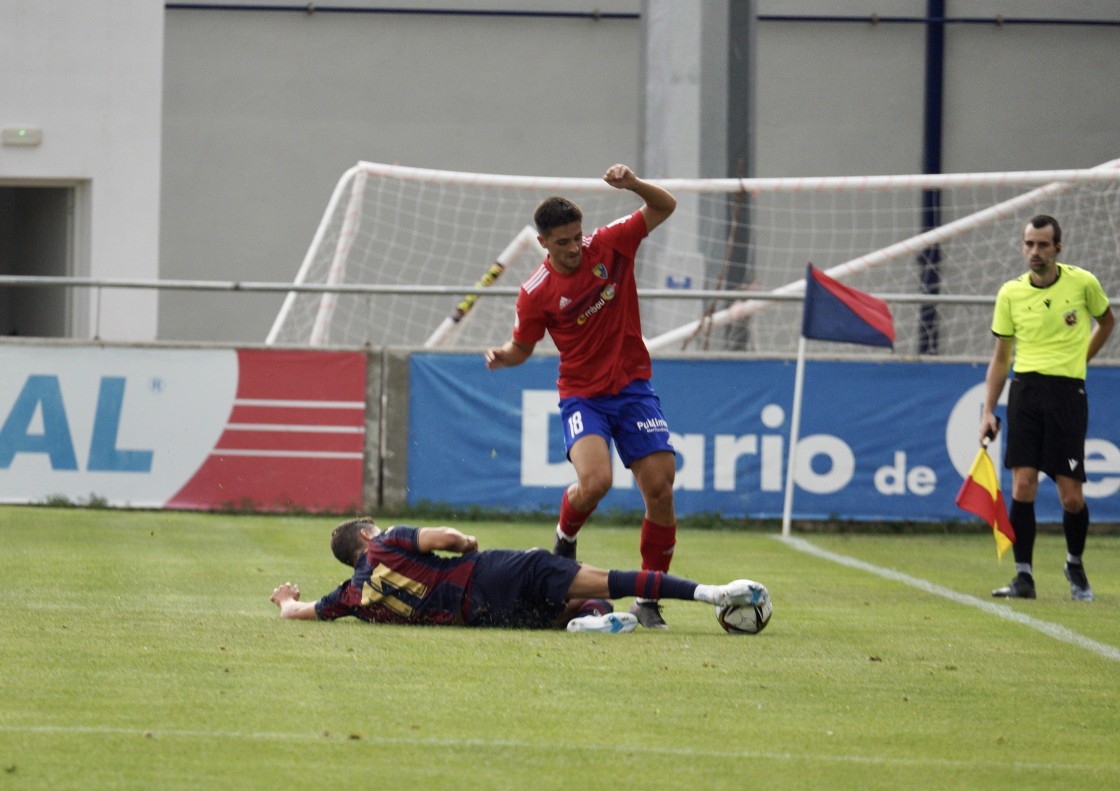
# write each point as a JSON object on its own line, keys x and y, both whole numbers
{"x": 585, "y": 296}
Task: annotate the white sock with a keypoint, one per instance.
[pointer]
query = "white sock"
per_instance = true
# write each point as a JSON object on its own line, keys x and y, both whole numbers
{"x": 1073, "y": 560}
{"x": 707, "y": 593}
{"x": 1024, "y": 568}
{"x": 565, "y": 536}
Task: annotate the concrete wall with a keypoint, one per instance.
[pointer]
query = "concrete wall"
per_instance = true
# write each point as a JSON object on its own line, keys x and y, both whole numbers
{"x": 263, "y": 110}
{"x": 841, "y": 98}
{"x": 89, "y": 75}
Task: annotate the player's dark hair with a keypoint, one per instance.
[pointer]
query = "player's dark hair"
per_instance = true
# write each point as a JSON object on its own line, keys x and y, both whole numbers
{"x": 346, "y": 539}
{"x": 1042, "y": 220}
{"x": 554, "y": 212}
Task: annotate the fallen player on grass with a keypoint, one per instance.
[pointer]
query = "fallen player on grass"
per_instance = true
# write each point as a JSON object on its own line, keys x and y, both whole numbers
{"x": 399, "y": 579}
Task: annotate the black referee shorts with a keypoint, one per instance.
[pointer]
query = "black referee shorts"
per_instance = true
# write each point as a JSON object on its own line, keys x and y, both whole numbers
{"x": 1047, "y": 417}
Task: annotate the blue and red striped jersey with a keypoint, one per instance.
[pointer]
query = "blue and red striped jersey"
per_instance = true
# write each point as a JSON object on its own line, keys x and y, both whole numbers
{"x": 395, "y": 583}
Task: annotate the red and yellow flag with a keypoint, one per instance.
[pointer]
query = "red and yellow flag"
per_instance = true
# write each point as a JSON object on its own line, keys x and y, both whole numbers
{"x": 980, "y": 495}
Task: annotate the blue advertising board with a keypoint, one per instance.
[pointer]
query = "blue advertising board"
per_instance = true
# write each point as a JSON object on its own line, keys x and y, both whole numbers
{"x": 889, "y": 441}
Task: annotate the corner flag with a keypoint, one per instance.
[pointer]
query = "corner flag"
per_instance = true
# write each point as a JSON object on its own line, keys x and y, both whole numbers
{"x": 831, "y": 312}
{"x": 980, "y": 494}
{"x": 836, "y": 312}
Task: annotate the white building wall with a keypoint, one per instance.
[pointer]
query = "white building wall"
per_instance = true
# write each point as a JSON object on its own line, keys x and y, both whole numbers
{"x": 89, "y": 74}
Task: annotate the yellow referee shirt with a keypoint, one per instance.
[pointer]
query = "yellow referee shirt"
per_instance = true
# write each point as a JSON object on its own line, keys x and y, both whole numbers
{"x": 1051, "y": 325}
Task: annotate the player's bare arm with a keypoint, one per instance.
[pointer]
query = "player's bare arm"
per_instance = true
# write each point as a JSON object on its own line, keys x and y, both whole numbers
{"x": 659, "y": 202}
{"x": 998, "y": 369}
{"x": 446, "y": 539}
{"x": 286, "y": 597}
{"x": 508, "y": 355}
{"x": 1105, "y": 322}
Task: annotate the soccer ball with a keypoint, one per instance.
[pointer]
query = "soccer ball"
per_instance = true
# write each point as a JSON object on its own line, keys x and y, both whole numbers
{"x": 745, "y": 618}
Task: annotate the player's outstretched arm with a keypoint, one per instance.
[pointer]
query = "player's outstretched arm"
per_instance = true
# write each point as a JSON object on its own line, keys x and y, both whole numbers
{"x": 286, "y": 597}
{"x": 508, "y": 355}
{"x": 659, "y": 202}
{"x": 446, "y": 539}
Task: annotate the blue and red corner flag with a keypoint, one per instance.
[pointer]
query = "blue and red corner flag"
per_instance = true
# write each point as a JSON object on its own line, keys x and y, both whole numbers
{"x": 836, "y": 312}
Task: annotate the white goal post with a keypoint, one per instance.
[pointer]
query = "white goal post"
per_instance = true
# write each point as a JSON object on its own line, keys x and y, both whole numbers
{"x": 524, "y": 242}
{"x": 937, "y": 247}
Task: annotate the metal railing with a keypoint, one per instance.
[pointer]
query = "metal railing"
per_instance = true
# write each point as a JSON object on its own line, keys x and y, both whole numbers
{"x": 247, "y": 286}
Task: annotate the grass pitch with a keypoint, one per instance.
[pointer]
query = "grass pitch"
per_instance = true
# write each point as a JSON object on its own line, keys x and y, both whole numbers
{"x": 139, "y": 650}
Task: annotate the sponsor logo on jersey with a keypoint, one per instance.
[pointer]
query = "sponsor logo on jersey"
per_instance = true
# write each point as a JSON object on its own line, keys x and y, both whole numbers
{"x": 564, "y": 302}
{"x": 605, "y": 296}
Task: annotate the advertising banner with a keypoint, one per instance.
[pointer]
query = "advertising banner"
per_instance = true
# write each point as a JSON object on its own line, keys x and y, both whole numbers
{"x": 887, "y": 441}
{"x": 182, "y": 428}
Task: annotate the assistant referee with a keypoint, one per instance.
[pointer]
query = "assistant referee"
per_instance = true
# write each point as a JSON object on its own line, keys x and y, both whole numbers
{"x": 1046, "y": 315}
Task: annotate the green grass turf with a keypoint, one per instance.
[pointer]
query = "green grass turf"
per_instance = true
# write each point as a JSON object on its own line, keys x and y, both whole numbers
{"x": 139, "y": 650}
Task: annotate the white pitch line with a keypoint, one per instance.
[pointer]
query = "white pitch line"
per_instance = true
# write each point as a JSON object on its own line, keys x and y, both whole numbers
{"x": 513, "y": 744}
{"x": 1000, "y": 610}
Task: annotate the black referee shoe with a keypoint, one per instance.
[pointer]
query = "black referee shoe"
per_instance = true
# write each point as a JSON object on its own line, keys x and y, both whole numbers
{"x": 1022, "y": 587}
{"x": 1079, "y": 589}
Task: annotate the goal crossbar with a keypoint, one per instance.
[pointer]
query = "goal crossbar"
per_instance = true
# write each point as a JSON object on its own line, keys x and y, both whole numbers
{"x": 1109, "y": 171}
{"x": 734, "y": 252}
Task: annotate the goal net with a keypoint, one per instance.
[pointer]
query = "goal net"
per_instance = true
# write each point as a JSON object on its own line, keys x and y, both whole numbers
{"x": 413, "y": 257}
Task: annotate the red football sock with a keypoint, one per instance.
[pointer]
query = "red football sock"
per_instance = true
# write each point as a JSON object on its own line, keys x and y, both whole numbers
{"x": 657, "y": 545}
{"x": 571, "y": 520}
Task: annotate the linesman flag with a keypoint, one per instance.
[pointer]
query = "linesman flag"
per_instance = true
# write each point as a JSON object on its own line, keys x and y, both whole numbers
{"x": 836, "y": 312}
{"x": 980, "y": 495}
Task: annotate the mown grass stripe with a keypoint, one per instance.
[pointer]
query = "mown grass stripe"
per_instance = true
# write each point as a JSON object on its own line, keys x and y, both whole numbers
{"x": 512, "y": 744}
{"x": 1053, "y": 630}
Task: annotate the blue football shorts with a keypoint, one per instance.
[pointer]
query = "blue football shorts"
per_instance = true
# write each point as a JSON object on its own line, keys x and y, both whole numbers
{"x": 633, "y": 419}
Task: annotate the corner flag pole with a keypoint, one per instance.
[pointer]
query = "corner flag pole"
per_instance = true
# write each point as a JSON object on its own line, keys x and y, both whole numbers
{"x": 831, "y": 311}
{"x": 794, "y": 428}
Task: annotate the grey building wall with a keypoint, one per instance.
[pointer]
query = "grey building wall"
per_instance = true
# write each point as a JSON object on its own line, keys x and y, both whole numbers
{"x": 264, "y": 111}
{"x": 846, "y": 98}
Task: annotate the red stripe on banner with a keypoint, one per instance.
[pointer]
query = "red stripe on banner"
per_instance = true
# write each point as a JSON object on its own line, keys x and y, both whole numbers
{"x": 283, "y": 451}
{"x": 277, "y": 484}
{"x": 291, "y": 440}
{"x": 298, "y": 415}
{"x": 297, "y": 375}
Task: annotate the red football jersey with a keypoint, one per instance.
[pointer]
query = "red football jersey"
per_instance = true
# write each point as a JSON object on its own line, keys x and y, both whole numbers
{"x": 591, "y": 314}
